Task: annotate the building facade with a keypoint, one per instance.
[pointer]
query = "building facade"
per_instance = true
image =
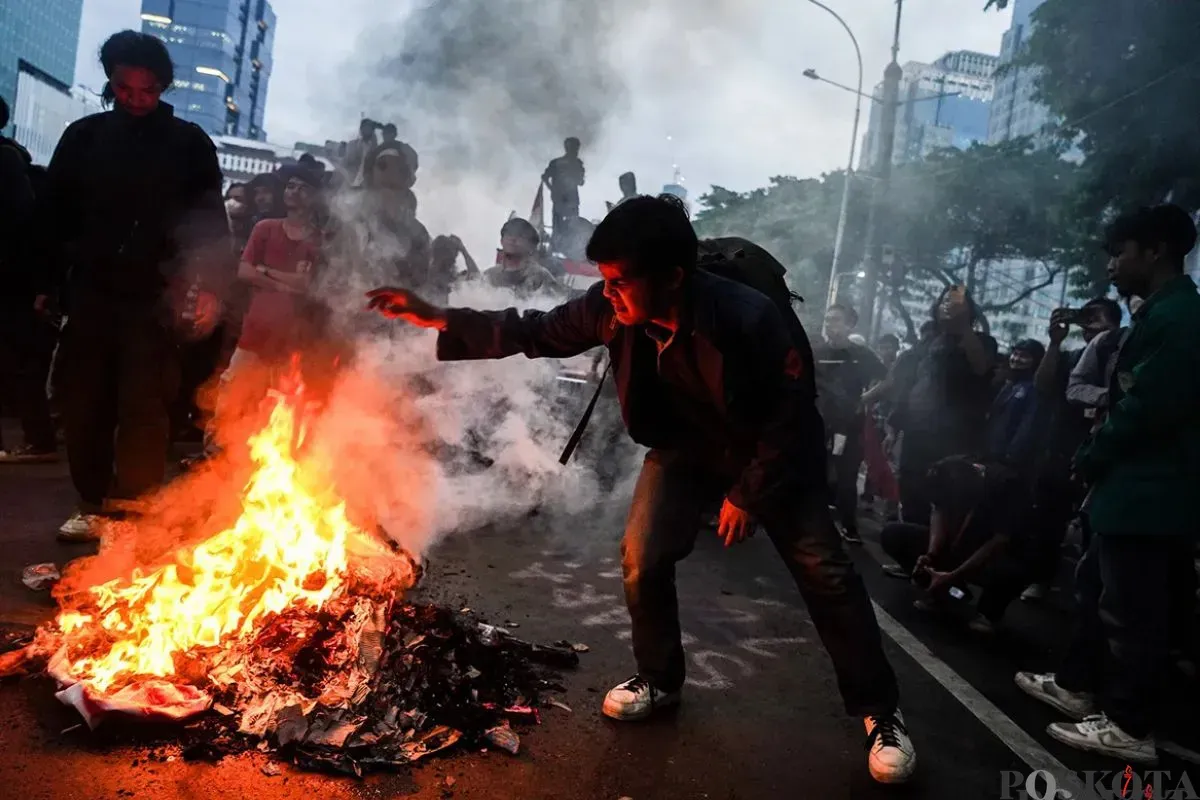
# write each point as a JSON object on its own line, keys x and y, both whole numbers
{"x": 222, "y": 51}
{"x": 242, "y": 159}
{"x": 44, "y": 34}
{"x": 44, "y": 109}
{"x": 1015, "y": 112}
{"x": 943, "y": 104}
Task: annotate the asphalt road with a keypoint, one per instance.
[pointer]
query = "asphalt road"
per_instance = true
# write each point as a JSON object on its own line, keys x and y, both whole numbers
{"x": 761, "y": 717}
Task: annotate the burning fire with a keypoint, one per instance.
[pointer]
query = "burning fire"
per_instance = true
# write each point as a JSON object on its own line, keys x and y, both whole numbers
{"x": 287, "y": 548}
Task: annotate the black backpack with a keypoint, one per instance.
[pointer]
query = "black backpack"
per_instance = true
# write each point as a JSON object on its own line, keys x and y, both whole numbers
{"x": 740, "y": 260}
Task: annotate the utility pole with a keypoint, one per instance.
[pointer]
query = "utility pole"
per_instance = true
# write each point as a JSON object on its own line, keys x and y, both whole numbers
{"x": 878, "y": 222}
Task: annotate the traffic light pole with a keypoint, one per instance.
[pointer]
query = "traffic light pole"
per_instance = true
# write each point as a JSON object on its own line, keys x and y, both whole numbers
{"x": 878, "y": 227}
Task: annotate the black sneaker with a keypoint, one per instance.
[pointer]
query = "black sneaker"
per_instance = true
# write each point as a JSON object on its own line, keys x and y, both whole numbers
{"x": 636, "y": 699}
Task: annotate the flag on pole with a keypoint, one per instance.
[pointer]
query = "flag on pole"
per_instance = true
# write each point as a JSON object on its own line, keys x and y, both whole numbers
{"x": 537, "y": 215}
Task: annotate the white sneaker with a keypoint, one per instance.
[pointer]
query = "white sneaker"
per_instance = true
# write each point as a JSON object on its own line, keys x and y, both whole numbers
{"x": 1035, "y": 592}
{"x": 636, "y": 699}
{"x": 1042, "y": 686}
{"x": 982, "y": 625}
{"x": 80, "y": 528}
{"x": 892, "y": 758}
{"x": 1099, "y": 734}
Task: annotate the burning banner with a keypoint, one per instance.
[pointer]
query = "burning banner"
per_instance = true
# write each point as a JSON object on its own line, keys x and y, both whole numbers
{"x": 289, "y": 626}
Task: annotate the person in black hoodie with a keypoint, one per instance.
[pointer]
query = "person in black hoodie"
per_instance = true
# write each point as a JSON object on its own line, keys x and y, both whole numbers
{"x": 136, "y": 234}
{"x": 26, "y": 337}
{"x": 712, "y": 380}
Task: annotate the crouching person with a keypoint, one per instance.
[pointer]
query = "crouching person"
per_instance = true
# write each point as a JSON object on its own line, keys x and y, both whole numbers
{"x": 972, "y": 539}
{"x": 712, "y": 381}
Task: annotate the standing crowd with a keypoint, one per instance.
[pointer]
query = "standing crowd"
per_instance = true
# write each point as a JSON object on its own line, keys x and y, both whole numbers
{"x": 998, "y": 459}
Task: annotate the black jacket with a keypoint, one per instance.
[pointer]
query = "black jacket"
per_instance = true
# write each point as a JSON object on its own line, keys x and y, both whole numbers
{"x": 752, "y": 367}
{"x": 16, "y": 214}
{"x": 133, "y": 205}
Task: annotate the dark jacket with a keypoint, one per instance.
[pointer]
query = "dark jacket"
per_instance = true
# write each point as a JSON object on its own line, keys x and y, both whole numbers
{"x": 1014, "y": 424}
{"x": 1144, "y": 461}
{"x": 749, "y": 362}
{"x": 16, "y": 214}
{"x": 133, "y": 206}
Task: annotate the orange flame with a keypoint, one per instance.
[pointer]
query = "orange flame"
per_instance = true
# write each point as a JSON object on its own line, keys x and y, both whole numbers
{"x": 288, "y": 547}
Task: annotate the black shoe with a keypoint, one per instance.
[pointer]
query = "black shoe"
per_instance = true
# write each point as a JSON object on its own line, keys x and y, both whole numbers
{"x": 850, "y": 536}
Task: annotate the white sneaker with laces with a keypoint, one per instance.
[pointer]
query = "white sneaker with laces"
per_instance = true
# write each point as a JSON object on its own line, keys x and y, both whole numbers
{"x": 636, "y": 699}
{"x": 80, "y": 528}
{"x": 1099, "y": 734}
{"x": 892, "y": 757}
{"x": 1042, "y": 686}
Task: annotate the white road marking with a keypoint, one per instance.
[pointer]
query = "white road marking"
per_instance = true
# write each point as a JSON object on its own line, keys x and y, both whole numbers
{"x": 1014, "y": 737}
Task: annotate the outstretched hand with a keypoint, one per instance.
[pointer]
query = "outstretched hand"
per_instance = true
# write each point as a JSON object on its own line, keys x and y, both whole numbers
{"x": 403, "y": 304}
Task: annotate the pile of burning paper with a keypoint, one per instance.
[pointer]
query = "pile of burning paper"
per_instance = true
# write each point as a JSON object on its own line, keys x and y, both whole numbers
{"x": 287, "y": 631}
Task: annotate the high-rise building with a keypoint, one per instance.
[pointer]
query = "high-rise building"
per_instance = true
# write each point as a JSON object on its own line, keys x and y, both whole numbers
{"x": 222, "y": 53}
{"x": 943, "y": 104}
{"x": 44, "y": 109}
{"x": 1015, "y": 112}
{"x": 42, "y": 34}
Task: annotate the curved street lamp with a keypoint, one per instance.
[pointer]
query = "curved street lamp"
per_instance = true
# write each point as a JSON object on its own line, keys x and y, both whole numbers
{"x": 840, "y": 237}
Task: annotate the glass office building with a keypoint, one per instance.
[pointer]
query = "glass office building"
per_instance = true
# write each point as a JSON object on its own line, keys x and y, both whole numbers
{"x": 42, "y": 33}
{"x": 222, "y": 53}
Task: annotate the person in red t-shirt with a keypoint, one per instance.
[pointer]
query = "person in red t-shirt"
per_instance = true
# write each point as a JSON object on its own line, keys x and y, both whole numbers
{"x": 278, "y": 265}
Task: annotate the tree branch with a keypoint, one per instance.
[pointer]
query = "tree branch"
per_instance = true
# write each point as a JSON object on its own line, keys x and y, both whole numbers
{"x": 1024, "y": 294}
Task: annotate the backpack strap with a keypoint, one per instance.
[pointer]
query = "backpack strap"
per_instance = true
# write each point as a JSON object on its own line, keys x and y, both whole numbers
{"x": 577, "y": 436}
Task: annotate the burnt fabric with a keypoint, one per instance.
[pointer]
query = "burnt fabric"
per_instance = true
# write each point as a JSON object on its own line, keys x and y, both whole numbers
{"x": 664, "y": 520}
{"x": 771, "y": 435}
{"x": 122, "y": 378}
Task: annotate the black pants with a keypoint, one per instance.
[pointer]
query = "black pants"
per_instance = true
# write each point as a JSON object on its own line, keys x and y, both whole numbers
{"x": 845, "y": 478}
{"x": 1119, "y": 648}
{"x": 919, "y": 451}
{"x": 27, "y": 343}
{"x": 200, "y": 362}
{"x": 122, "y": 375}
{"x": 664, "y": 520}
{"x": 1002, "y": 579}
{"x": 1055, "y": 499}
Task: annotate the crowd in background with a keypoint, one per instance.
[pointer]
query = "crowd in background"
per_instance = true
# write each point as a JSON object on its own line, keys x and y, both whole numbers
{"x": 987, "y": 462}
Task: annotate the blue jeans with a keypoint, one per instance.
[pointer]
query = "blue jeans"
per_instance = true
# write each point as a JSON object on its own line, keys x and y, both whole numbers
{"x": 672, "y": 492}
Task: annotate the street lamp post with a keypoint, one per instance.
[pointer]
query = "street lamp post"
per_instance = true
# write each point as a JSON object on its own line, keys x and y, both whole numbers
{"x": 840, "y": 237}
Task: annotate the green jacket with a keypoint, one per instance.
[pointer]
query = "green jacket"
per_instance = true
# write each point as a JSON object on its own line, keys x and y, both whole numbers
{"x": 1144, "y": 461}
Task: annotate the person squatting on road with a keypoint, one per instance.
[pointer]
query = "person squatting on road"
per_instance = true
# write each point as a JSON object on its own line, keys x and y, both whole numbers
{"x": 134, "y": 227}
{"x": 710, "y": 379}
{"x": 1142, "y": 466}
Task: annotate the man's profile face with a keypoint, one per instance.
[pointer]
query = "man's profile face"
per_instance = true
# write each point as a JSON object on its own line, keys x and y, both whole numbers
{"x": 237, "y": 194}
{"x": 633, "y": 298}
{"x": 1130, "y": 266}
{"x": 1094, "y": 323}
{"x": 837, "y": 327}
{"x": 136, "y": 89}
{"x": 1021, "y": 361}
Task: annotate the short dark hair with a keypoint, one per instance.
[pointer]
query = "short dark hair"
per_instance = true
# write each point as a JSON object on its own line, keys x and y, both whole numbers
{"x": 1031, "y": 346}
{"x": 888, "y": 337}
{"x": 134, "y": 49}
{"x": 849, "y": 313}
{"x": 389, "y": 128}
{"x": 443, "y": 246}
{"x": 653, "y": 235}
{"x": 1165, "y": 224}
{"x": 232, "y": 186}
{"x": 571, "y": 143}
{"x": 522, "y": 229}
{"x": 4, "y": 114}
{"x": 1110, "y": 308}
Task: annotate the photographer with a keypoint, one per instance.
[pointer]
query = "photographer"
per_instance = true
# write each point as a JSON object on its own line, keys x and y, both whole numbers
{"x": 975, "y": 511}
